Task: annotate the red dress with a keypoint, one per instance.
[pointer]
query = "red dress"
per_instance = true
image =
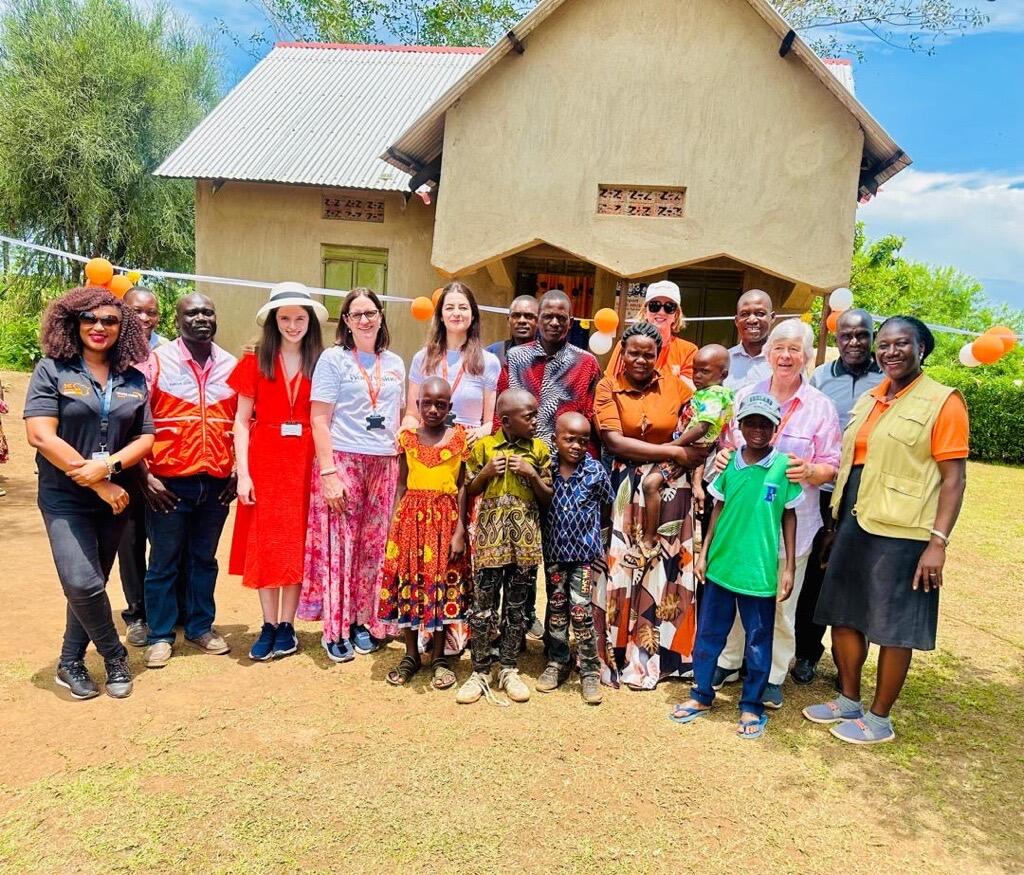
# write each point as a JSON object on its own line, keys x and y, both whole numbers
{"x": 268, "y": 545}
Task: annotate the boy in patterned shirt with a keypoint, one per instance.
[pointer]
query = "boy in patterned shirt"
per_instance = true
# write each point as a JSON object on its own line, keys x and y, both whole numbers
{"x": 572, "y": 542}
{"x": 511, "y": 471}
{"x": 700, "y": 423}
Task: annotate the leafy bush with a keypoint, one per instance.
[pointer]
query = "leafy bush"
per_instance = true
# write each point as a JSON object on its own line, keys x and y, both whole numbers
{"x": 995, "y": 403}
{"x": 19, "y": 343}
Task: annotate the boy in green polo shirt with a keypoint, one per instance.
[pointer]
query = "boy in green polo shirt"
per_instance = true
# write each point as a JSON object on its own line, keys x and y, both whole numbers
{"x": 739, "y": 564}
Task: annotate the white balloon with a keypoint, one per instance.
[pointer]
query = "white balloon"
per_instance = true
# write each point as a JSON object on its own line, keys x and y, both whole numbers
{"x": 600, "y": 343}
{"x": 841, "y": 299}
{"x": 967, "y": 358}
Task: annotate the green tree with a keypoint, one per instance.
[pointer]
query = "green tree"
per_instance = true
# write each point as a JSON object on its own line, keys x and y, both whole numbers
{"x": 93, "y": 95}
{"x": 842, "y": 24}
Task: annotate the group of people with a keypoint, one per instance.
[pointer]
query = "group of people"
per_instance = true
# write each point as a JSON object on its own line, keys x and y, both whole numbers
{"x": 427, "y": 505}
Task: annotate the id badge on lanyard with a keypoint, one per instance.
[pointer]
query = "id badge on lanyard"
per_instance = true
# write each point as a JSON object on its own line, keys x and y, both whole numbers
{"x": 102, "y": 454}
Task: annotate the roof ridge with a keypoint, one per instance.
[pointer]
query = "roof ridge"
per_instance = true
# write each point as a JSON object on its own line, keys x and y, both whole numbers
{"x": 383, "y": 47}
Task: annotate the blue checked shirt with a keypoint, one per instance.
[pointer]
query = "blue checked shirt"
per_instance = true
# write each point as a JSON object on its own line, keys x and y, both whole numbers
{"x": 573, "y": 528}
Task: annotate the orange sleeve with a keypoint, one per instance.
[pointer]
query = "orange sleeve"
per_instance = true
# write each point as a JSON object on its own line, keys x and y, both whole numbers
{"x": 686, "y": 365}
{"x": 606, "y": 411}
{"x": 613, "y": 362}
{"x": 951, "y": 432}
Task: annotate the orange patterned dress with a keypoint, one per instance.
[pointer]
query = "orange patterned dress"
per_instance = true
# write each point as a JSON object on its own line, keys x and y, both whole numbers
{"x": 420, "y": 588}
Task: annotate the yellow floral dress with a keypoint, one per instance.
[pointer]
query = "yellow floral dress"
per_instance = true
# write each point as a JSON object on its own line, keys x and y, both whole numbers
{"x": 420, "y": 588}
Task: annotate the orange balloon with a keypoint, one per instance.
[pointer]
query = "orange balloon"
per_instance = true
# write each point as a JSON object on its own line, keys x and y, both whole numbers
{"x": 98, "y": 271}
{"x": 422, "y": 309}
{"x": 1007, "y": 335}
{"x": 120, "y": 284}
{"x": 833, "y": 320}
{"x": 436, "y": 296}
{"x": 606, "y": 320}
{"x": 988, "y": 348}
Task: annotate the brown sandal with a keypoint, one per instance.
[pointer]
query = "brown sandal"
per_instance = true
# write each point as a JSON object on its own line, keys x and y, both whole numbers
{"x": 404, "y": 672}
{"x": 444, "y": 677}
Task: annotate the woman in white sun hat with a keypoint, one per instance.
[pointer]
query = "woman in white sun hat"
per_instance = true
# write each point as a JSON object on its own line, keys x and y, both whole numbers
{"x": 274, "y": 452}
{"x": 663, "y": 309}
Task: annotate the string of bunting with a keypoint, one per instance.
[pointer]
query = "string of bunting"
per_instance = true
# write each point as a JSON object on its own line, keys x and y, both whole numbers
{"x": 986, "y": 348}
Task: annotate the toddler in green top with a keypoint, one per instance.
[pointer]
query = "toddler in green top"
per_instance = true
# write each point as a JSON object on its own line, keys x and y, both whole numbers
{"x": 700, "y": 423}
{"x": 739, "y": 564}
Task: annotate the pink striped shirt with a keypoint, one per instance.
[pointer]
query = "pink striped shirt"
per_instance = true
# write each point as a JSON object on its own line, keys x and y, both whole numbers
{"x": 810, "y": 430}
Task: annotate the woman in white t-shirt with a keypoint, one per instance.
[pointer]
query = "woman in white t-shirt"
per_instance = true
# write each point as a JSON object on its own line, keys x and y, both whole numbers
{"x": 454, "y": 352}
{"x": 358, "y": 394}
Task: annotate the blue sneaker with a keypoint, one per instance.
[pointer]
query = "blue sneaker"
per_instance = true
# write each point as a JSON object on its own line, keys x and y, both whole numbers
{"x": 831, "y": 712}
{"x": 860, "y": 732}
{"x": 263, "y": 648}
{"x": 363, "y": 640}
{"x": 339, "y": 651}
{"x": 772, "y": 697}
{"x": 285, "y": 642}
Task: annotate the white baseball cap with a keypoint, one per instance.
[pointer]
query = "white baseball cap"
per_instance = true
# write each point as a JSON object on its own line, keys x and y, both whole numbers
{"x": 761, "y": 404}
{"x": 663, "y": 289}
{"x": 290, "y": 294}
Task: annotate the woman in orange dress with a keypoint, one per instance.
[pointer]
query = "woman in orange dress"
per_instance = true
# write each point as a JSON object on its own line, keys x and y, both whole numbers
{"x": 663, "y": 309}
{"x": 274, "y": 451}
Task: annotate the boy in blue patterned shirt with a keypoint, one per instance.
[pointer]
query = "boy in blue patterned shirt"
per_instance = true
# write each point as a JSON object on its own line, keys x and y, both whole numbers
{"x": 572, "y": 541}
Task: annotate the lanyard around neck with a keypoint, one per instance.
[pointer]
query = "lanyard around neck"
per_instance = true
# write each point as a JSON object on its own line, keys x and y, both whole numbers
{"x": 105, "y": 397}
{"x": 374, "y": 391}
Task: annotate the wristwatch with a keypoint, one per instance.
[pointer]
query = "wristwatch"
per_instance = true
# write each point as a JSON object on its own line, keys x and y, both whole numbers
{"x": 113, "y": 466}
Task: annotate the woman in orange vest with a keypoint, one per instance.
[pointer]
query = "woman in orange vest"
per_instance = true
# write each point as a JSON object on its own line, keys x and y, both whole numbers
{"x": 897, "y": 497}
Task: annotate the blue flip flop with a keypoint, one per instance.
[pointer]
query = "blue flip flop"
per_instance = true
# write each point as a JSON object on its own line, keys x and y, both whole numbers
{"x": 760, "y": 723}
{"x": 688, "y": 715}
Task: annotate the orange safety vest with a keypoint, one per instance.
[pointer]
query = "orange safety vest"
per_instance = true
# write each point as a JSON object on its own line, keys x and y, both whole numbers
{"x": 193, "y": 412}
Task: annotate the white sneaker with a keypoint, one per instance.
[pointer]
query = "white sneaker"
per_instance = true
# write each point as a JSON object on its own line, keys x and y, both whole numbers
{"x": 158, "y": 655}
{"x": 477, "y": 684}
{"x": 512, "y": 684}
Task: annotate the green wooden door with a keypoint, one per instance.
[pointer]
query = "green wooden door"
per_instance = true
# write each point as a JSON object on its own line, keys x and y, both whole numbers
{"x": 349, "y": 267}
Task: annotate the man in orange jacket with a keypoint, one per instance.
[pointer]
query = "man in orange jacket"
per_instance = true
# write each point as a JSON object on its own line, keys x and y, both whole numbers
{"x": 190, "y": 479}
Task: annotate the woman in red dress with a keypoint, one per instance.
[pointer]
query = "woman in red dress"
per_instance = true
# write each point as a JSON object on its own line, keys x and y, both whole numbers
{"x": 274, "y": 449}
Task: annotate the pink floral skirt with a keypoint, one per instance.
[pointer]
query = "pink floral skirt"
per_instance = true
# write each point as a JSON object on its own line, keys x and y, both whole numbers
{"x": 345, "y": 551}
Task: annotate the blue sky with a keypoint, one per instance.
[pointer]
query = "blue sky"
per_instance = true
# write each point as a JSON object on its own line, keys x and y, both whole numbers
{"x": 959, "y": 113}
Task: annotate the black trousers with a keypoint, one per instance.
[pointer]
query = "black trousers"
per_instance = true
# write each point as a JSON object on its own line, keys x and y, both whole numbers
{"x": 131, "y": 560}
{"x": 84, "y": 546}
{"x": 809, "y": 635}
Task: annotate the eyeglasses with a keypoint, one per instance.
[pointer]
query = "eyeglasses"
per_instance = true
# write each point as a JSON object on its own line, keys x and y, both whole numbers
{"x": 106, "y": 321}
{"x": 367, "y": 315}
{"x": 669, "y": 307}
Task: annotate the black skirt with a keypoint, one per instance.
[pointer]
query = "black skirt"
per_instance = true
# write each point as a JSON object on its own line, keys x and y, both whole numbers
{"x": 868, "y": 584}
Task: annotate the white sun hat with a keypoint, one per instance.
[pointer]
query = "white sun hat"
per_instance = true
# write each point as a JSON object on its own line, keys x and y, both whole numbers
{"x": 663, "y": 289}
{"x": 290, "y": 295}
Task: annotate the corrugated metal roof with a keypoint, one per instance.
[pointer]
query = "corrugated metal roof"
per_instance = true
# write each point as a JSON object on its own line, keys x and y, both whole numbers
{"x": 422, "y": 140}
{"x": 319, "y": 114}
{"x": 842, "y": 69}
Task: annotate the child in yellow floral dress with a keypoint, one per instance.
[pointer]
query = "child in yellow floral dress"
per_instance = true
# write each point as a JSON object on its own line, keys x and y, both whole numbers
{"x": 425, "y": 579}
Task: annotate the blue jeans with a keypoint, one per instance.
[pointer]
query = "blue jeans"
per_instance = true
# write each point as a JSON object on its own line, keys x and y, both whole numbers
{"x": 195, "y": 524}
{"x": 718, "y": 611}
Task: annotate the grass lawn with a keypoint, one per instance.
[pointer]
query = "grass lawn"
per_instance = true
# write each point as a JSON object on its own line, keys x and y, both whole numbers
{"x": 219, "y": 765}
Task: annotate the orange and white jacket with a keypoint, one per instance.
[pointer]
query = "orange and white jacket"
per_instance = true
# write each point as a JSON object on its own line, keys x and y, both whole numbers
{"x": 193, "y": 411}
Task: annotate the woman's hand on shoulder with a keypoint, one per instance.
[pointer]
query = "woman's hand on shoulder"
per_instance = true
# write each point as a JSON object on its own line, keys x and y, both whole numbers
{"x": 474, "y": 434}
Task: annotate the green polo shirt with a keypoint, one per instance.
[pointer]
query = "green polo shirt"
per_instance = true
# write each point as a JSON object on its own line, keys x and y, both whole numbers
{"x": 744, "y": 551}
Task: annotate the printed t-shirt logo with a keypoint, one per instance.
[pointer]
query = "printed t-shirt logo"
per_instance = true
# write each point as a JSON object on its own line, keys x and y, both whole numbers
{"x": 76, "y": 389}
{"x": 770, "y": 491}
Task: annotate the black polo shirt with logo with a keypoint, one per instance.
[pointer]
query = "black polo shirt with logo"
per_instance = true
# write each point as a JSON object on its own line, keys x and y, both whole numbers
{"x": 68, "y": 392}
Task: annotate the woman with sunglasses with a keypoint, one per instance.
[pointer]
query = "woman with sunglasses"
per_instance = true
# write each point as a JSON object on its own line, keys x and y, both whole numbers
{"x": 86, "y": 414}
{"x": 357, "y": 399}
{"x": 663, "y": 310}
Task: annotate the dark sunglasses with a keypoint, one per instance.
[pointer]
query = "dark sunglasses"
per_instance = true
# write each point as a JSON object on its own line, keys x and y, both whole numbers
{"x": 669, "y": 307}
{"x": 105, "y": 321}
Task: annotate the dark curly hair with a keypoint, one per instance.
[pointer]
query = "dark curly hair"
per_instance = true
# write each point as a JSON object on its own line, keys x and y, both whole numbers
{"x": 59, "y": 333}
{"x": 642, "y": 329}
{"x": 922, "y": 333}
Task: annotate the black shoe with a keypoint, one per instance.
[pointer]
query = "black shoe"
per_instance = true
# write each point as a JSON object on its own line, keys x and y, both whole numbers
{"x": 804, "y": 672}
{"x": 75, "y": 676}
{"x": 119, "y": 678}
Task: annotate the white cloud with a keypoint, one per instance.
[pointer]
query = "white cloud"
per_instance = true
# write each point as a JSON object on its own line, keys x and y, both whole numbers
{"x": 971, "y": 221}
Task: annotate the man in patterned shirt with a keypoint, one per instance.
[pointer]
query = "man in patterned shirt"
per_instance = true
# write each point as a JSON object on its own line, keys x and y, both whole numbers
{"x": 561, "y": 376}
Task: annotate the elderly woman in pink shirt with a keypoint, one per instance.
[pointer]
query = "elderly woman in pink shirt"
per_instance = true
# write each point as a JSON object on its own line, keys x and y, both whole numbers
{"x": 809, "y": 433}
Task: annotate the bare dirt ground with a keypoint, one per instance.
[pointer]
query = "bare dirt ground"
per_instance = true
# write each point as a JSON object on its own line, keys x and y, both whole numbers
{"x": 217, "y": 764}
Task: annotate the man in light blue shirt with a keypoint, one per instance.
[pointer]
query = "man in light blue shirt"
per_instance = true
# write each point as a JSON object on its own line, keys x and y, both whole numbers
{"x": 754, "y": 315}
